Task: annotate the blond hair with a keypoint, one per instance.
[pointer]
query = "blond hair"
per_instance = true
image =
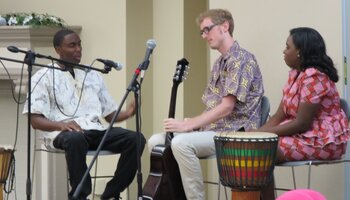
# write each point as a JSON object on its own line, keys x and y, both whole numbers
{"x": 217, "y": 16}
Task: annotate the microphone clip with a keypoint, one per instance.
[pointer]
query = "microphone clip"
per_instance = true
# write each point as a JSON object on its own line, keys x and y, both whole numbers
{"x": 109, "y": 64}
{"x": 106, "y": 69}
{"x": 144, "y": 65}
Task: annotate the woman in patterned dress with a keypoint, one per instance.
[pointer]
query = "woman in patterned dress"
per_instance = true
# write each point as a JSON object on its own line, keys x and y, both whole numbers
{"x": 309, "y": 120}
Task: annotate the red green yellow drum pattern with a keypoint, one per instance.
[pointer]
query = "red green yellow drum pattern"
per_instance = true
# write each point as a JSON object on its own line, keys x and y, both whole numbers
{"x": 246, "y": 159}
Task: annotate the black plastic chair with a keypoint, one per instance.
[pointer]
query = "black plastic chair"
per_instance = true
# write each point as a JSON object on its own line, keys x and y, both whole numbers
{"x": 265, "y": 110}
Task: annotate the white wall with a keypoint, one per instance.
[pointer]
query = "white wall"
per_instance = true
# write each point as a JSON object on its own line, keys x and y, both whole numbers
{"x": 260, "y": 26}
{"x": 103, "y": 36}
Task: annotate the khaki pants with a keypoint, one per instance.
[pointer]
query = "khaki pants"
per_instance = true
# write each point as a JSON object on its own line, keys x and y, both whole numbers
{"x": 187, "y": 149}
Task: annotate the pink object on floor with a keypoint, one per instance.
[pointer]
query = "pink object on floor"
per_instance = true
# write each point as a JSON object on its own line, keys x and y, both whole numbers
{"x": 302, "y": 194}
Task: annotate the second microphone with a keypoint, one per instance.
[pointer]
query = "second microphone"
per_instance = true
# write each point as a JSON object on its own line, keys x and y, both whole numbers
{"x": 116, "y": 65}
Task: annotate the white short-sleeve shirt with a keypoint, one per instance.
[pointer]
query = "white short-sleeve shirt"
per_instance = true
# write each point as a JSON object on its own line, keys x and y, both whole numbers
{"x": 60, "y": 97}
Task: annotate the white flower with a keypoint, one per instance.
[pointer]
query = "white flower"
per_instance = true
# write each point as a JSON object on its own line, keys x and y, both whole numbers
{"x": 33, "y": 19}
{"x": 27, "y": 19}
{"x": 41, "y": 17}
{"x": 54, "y": 19}
{"x": 12, "y": 21}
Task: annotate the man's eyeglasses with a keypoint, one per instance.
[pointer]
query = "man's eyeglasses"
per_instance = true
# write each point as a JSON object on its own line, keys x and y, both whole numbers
{"x": 207, "y": 29}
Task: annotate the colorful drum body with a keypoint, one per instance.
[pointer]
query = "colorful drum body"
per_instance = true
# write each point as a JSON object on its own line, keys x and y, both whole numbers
{"x": 246, "y": 160}
{"x": 6, "y": 156}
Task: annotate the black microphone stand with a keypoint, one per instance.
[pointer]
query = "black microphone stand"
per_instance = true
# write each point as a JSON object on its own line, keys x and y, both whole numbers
{"x": 133, "y": 86}
{"x": 74, "y": 65}
{"x": 29, "y": 59}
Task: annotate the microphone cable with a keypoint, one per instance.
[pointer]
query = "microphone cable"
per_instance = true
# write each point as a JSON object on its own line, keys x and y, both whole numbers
{"x": 9, "y": 184}
{"x": 80, "y": 96}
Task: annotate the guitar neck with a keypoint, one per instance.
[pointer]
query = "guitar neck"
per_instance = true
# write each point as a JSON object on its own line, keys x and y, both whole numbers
{"x": 177, "y": 79}
{"x": 172, "y": 108}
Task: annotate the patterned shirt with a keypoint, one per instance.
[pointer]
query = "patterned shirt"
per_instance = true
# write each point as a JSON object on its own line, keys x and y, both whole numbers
{"x": 60, "y": 97}
{"x": 312, "y": 86}
{"x": 236, "y": 73}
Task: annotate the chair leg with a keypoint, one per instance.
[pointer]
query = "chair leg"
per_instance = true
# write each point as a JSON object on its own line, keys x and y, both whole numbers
{"x": 275, "y": 189}
{"x": 219, "y": 188}
{"x": 93, "y": 190}
{"x": 309, "y": 177}
{"x": 67, "y": 175}
{"x": 294, "y": 182}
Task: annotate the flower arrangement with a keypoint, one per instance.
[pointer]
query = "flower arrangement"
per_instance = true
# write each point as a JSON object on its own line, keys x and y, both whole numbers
{"x": 32, "y": 19}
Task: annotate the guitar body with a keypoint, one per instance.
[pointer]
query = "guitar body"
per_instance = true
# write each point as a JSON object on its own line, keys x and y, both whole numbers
{"x": 164, "y": 181}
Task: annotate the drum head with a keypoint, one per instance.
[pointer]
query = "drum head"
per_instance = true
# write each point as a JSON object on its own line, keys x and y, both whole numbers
{"x": 6, "y": 148}
{"x": 247, "y": 134}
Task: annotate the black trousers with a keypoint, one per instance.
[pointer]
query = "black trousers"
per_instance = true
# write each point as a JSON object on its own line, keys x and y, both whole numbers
{"x": 119, "y": 140}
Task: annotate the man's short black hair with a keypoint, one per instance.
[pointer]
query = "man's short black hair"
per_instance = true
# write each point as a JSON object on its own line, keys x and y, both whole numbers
{"x": 59, "y": 36}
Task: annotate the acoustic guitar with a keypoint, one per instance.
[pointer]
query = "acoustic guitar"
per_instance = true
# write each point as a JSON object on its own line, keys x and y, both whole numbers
{"x": 164, "y": 181}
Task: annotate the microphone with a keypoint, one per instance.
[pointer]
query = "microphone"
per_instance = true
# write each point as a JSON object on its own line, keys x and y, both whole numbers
{"x": 14, "y": 49}
{"x": 116, "y": 65}
{"x": 151, "y": 44}
{"x": 30, "y": 55}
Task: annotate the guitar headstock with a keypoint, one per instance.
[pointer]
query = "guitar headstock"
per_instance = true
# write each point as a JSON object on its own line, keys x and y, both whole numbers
{"x": 181, "y": 71}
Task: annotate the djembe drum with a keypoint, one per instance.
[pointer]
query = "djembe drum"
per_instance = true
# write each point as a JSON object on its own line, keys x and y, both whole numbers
{"x": 246, "y": 161}
{"x": 6, "y": 157}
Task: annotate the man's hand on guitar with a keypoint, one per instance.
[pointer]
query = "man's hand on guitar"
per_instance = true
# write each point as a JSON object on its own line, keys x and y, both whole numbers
{"x": 173, "y": 125}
